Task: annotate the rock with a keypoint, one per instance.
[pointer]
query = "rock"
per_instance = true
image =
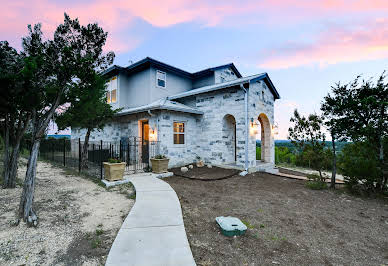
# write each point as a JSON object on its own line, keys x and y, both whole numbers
{"x": 243, "y": 173}
{"x": 184, "y": 169}
{"x": 209, "y": 166}
{"x": 191, "y": 166}
{"x": 200, "y": 164}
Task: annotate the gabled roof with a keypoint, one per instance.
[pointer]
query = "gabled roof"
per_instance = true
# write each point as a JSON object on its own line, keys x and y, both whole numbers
{"x": 232, "y": 83}
{"x": 148, "y": 61}
{"x": 161, "y": 104}
{"x": 212, "y": 69}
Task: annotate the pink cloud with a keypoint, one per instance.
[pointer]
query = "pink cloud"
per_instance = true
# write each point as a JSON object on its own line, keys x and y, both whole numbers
{"x": 117, "y": 15}
{"x": 334, "y": 45}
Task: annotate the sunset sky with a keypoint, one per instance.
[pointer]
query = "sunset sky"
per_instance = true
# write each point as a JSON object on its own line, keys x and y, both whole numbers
{"x": 304, "y": 45}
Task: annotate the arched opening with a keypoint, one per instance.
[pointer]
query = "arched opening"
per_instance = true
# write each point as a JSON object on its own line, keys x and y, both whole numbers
{"x": 229, "y": 138}
{"x": 265, "y": 137}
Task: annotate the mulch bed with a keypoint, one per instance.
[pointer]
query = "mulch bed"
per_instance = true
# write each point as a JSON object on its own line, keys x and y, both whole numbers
{"x": 205, "y": 173}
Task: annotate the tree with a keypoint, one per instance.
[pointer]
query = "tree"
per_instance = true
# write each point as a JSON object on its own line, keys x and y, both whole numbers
{"x": 359, "y": 163}
{"x": 53, "y": 66}
{"x": 14, "y": 109}
{"x": 333, "y": 108}
{"x": 359, "y": 111}
{"x": 307, "y": 135}
{"x": 89, "y": 108}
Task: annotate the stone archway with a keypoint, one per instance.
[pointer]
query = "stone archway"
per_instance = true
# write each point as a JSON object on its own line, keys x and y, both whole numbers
{"x": 265, "y": 138}
{"x": 229, "y": 138}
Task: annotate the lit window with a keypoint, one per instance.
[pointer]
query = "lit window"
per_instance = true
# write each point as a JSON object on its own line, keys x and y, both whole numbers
{"x": 160, "y": 79}
{"x": 111, "y": 94}
{"x": 179, "y": 133}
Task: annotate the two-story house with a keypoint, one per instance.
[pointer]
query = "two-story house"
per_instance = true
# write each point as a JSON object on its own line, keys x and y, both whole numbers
{"x": 213, "y": 113}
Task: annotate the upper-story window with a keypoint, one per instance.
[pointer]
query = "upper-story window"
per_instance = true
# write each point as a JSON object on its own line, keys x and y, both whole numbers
{"x": 111, "y": 90}
{"x": 160, "y": 79}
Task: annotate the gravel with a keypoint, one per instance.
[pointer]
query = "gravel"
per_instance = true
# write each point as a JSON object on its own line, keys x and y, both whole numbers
{"x": 78, "y": 220}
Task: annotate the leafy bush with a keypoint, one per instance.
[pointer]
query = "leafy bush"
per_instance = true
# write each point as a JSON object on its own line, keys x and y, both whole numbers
{"x": 359, "y": 164}
{"x": 258, "y": 153}
{"x": 114, "y": 160}
{"x": 160, "y": 156}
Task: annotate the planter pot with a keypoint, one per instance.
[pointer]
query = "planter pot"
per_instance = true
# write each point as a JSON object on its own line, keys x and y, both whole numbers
{"x": 159, "y": 165}
{"x": 114, "y": 171}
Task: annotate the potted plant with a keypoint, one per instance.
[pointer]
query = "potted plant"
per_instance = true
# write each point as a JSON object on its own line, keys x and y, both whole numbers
{"x": 159, "y": 164}
{"x": 114, "y": 169}
{"x": 199, "y": 162}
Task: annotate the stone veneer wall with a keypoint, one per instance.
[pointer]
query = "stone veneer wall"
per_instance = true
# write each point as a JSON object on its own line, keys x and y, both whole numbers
{"x": 212, "y": 145}
{"x": 204, "y": 134}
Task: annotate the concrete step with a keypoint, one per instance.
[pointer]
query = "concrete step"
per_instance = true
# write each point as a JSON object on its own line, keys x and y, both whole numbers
{"x": 267, "y": 168}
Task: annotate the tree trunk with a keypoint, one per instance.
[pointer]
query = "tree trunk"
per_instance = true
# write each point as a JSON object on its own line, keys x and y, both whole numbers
{"x": 26, "y": 211}
{"x": 84, "y": 155}
{"x": 382, "y": 165}
{"x": 320, "y": 174}
{"x": 18, "y": 135}
{"x": 334, "y": 170}
{"x": 6, "y": 153}
{"x": 381, "y": 149}
{"x": 13, "y": 165}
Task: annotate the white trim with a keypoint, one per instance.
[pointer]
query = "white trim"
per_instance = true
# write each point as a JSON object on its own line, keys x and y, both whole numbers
{"x": 179, "y": 133}
{"x": 165, "y": 79}
{"x": 109, "y": 90}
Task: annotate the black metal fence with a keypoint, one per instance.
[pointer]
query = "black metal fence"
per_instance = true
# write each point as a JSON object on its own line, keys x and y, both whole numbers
{"x": 134, "y": 151}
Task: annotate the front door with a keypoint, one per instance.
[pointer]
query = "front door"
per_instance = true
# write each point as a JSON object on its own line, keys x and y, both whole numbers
{"x": 145, "y": 136}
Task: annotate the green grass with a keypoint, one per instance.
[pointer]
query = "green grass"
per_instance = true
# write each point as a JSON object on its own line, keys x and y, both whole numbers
{"x": 96, "y": 243}
{"x": 248, "y": 224}
{"x": 316, "y": 185}
{"x": 99, "y": 232}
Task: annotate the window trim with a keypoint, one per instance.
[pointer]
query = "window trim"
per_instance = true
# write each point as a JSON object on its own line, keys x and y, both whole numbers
{"x": 109, "y": 90}
{"x": 165, "y": 79}
{"x": 179, "y": 133}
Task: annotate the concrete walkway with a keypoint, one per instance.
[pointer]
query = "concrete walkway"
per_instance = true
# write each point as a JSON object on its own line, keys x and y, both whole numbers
{"x": 153, "y": 233}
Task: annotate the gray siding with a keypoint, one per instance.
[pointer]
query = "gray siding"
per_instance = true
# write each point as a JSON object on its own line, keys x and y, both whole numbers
{"x": 134, "y": 90}
{"x": 203, "y": 81}
{"x": 174, "y": 84}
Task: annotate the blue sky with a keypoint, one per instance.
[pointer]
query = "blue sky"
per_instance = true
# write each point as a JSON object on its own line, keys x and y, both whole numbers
{"x": 304, "y": 45}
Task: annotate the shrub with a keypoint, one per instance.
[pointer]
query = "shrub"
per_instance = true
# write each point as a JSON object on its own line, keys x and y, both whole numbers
{"x": 315, "y": 182}
{"x": 114, "y": 160}
{"x": 160, "y": 156}
{"x": 359, "y": 164}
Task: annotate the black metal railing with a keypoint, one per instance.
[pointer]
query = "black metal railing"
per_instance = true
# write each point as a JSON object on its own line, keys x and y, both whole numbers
{"x": 134, "y": 151}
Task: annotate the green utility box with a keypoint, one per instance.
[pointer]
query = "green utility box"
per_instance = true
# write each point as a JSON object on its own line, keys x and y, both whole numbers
{"x": 231, "y": 226}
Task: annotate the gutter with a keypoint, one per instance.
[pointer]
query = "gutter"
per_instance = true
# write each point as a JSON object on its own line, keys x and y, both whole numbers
{"x": 246, "y": 126}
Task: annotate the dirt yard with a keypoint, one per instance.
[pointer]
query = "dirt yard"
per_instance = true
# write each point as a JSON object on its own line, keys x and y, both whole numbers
{"x": 78, "y": 220}
{"x": 288, "y": 223}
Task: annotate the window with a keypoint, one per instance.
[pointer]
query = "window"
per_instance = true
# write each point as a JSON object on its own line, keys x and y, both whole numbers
{"x": 179, "y": 133}
{"x": 111, "y": 93}
{"x": 160, "y": 79}
{"x": 262, "y": 95}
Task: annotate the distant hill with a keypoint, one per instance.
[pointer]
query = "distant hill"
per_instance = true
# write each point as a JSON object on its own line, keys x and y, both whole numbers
{"x": 55, "y": 136}
{"x": 287, "y": 143}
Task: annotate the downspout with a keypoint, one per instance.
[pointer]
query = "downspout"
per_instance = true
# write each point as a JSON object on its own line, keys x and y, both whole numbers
{"x": 246, "y": 126}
